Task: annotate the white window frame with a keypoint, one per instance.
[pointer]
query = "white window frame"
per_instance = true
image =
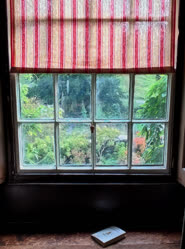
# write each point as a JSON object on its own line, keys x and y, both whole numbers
{"x": 145, "y": 169}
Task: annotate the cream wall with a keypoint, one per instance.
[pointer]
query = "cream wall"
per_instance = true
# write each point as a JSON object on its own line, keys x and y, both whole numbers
{"x": 2, "y": 147}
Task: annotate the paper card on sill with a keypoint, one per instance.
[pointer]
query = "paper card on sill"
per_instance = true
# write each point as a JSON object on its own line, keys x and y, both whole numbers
{"x": 109, "y": 235}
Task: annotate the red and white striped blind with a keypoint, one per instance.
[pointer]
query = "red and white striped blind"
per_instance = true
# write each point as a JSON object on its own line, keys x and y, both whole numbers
{"x": 92, "y": 35}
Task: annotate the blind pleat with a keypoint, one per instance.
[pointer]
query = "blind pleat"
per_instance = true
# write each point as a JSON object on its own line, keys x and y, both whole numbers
{"x": 92, "y": 35}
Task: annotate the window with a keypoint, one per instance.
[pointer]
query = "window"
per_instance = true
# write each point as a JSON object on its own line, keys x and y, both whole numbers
{"x": 93, "y": 122}
{"x": 93, "y": 84}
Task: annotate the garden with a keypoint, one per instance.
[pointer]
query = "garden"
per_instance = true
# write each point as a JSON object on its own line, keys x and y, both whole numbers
{"x": 74, "y": 98}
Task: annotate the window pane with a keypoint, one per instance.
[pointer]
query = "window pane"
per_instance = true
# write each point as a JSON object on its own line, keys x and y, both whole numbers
{"x": 36, "y": 96}
{"x": 75, "y": 144}
{"x": 74, "y": 94}
{"x": 112, "y": 96}
{"x": 111, "y": 144}
{"x": 38, "y": 144}
{"x": 148, "y": 144}
{"x": 150, "y": 96}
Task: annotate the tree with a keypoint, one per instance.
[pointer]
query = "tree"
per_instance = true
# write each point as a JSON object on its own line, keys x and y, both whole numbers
{"x": 154, "y": 108}
{"x": 34, "y": 103}
{"x": 37, "y": 138}
{"x": 74, "y": 95}
{"x": 112, "y": 92}
{"x": 110, "y": 149}
{"x": 38, "y": 144}
{"x": 155, "y": 100}
{"x": 40, "y": 87}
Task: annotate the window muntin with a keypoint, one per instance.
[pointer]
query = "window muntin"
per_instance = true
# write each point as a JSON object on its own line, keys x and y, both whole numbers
{"x": 125, "y": 140}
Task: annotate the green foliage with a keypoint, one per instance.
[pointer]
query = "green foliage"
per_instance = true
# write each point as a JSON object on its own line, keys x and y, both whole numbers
{"x": 39, "y": 152}
{"x": 154, "y": 145}
{"x": 74, "y": 147}
{"x": 38, "y": 144}
{"x": 34, "y": 103}
{"x": 155, "y": 99}
{"x": 40, "y": 87}
{"x": 109, "y": 149}
{"x": 74, "y": 95}
{"x": 154, "y": 108}
{"x": 36, "y": 91}
{"x": 121, "y": 153}
{"x": 113, "y": 96}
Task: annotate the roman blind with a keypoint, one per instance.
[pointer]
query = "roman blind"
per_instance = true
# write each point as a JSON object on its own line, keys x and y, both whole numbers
{"x": 92, "y": 35}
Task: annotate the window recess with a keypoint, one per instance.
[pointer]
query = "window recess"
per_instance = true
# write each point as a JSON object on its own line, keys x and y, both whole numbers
{"x": 121, "y": 55}
{"x": 93, "y": 122}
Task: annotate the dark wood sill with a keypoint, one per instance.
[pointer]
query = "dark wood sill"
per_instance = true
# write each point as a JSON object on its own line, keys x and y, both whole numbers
{"x": 89, "y": 178}
{"x": 137, "y": 239}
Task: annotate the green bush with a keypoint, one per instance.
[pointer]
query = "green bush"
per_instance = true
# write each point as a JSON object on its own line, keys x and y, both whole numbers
{"x": 36, "y": 93}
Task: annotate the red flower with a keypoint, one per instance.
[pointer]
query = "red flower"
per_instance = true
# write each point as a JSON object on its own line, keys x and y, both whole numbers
{"x": 140, "y": 143}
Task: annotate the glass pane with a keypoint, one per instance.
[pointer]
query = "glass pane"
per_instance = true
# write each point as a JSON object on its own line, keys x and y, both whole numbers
{"x": 75, "y": 144}
{"x": 150, "y": 96}
{"x": 38, "y": 144}
{"x": 148, "y": 144}
{"x": 112, "y": 96}
{"x": 74, "y": 94}
{"x": 36, "y": 96}
{"x": 111, "y": 144}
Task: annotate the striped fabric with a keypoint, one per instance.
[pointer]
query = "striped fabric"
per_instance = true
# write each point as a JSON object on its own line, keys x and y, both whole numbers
{"x": 92, "y": 35}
